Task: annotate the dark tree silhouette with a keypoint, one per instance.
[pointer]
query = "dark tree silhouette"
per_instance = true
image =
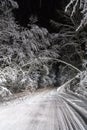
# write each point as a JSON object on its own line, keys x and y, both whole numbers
{"x": 44, "y": 9}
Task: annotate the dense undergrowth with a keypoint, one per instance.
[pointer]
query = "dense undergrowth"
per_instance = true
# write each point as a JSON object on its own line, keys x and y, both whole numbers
{"x": 29, "y": 57}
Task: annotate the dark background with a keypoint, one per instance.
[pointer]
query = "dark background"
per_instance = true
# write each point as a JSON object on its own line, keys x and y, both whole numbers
{"x": 43, "y": 9}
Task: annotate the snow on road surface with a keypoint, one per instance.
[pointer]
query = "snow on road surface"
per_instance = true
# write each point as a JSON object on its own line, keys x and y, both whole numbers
{"x": 48, "y": 110}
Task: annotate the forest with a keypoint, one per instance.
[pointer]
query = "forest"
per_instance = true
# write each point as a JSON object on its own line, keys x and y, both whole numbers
{"x": 41, "y": 44}
{"x": 43, "y": 65}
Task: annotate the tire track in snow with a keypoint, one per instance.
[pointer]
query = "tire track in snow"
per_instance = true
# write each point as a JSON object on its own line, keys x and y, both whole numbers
{"x": 49, "y": 110}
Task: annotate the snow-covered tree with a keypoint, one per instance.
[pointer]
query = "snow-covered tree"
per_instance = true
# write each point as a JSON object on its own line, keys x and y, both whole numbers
{"x": 77, "y": 10}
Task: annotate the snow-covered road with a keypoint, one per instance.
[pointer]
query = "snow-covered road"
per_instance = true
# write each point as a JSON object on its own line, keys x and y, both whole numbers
{"x": 48, "y": 110}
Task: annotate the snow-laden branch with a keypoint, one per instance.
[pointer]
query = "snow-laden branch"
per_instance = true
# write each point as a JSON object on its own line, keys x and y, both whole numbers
{"x": 61, "y": 61}
{"x": 77, "y": 10}
{"x": 58, "y": 60}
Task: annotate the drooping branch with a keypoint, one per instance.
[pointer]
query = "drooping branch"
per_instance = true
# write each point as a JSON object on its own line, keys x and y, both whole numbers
{"x": 63, "y": 62}
{"x": 58, "y": 60}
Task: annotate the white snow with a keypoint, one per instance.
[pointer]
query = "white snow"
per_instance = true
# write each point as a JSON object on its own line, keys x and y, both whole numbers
{"x": 48, "y": 110}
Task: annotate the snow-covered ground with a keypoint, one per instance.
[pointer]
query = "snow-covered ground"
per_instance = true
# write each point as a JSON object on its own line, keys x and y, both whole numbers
{"x": 48, "y": 110}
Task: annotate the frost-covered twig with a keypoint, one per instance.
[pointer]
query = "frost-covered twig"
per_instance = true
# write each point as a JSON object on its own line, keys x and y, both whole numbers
{"x": 77, "y": 9}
